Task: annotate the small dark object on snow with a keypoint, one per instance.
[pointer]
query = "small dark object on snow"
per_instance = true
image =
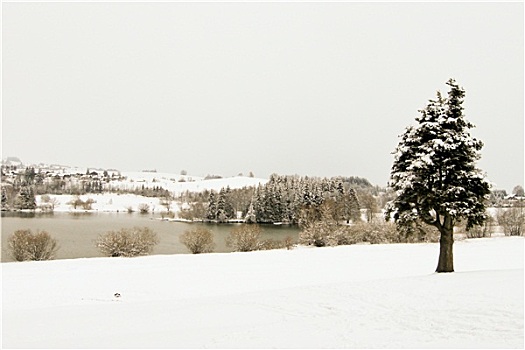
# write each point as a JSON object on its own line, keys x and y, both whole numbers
{"x": 117, "y": 295}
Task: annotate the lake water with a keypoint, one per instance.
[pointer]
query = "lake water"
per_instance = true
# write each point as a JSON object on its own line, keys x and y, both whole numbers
{"x": 76, "y": 232}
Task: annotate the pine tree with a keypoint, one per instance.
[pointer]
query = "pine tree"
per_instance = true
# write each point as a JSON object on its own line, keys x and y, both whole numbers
{"x": 250, "y": 217}
{"x": 26, "y": 198}
{"x": 352, "y": 206}
{"x": 225, "y": 209}
{"x": 273, "y": 200}
{"x": 221, "y": 208}
{"x": 258, "y": 206}
{"x": 266, "y": 209}
{"x": 5, "y": 206}
{"x": 29, "y": 175}
{"x": 435, "y": 175}
{"x": 229, "y": 208}
{"x": 211, "y": 210}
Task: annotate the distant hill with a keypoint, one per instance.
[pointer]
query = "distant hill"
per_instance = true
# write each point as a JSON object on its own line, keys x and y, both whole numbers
{"x": 182, "y": 183}
{"x": 177, "y": 183}
{"x": 359, "y": 182}
{"x": 12, "y": 161}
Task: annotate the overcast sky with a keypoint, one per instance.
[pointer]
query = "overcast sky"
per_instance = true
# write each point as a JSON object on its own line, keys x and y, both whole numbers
{"x": 319, "y": 89}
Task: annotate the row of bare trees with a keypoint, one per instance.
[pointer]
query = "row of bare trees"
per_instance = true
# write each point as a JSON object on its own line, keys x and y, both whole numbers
{"x": 138, "y": 241}
{"x": 25, "y": 245}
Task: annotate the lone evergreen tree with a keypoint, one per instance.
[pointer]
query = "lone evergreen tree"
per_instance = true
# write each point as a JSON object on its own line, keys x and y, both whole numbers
{"x": 435, "y": 175}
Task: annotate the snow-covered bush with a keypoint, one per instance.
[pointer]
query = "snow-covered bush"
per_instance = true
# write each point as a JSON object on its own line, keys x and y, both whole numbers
{"x": 353, "y": 234}
{"x": 325, "y": 233}
{"x": 269, "y": 244}
{"x": 320, "y": 227}
{"x": 127, "y": 242}
{"x": 322, "y": 233}
{"x": 512, "y": 220}
{"x": 199, "y": 240}
{"x": 477, "y": 231}
{"x": 47, "y": 203}
{"x": 24, "y": 245}
{"x": 76, "y": 201}
{"x": 244, "y": 238}
{"x": 167, "y": 215}
{"x": 381, "y": 232}
{"x": 143, "y": 208}
{"x": 288, "y": 243}
{"x": 418, "y": 232}
{"x": 313, "y": 234}
{"x": 88, "y": 204}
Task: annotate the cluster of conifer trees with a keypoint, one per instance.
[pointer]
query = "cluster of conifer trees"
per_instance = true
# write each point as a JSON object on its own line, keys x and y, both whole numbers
{"x": 284, "y": 199}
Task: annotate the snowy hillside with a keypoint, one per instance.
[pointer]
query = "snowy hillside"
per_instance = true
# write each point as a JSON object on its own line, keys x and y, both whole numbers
{"x": 113, "y": 202}
{"x": 107, "y": 202}
{"x": 172, "y": 182}
{"x": 361, "y": 296}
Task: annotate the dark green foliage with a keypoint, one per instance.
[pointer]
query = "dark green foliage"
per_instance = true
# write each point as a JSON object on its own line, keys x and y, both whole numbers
{"x": 435, "y": 175}
{"x": 5, "y": 204}
{"x": 283, "y": 199}
{"x": 26, "y": 198}
{"x": 211, "y": 210}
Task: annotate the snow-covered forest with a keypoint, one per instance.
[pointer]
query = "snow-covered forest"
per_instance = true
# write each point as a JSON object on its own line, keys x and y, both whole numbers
{"x": 278, "y": 199}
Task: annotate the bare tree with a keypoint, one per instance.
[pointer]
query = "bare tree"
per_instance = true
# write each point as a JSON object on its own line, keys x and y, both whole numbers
{"x": 24, "y": 245}
{"x": 143, "y": 208}
{"x": 518, "y": 191}
{"x": 127, "y": 242}
{"x": 244, "y": 238}
{"x": 198, "y": 240}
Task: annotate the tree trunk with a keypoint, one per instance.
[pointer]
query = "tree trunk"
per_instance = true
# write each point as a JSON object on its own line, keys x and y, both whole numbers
{"x": 446, "y": 258}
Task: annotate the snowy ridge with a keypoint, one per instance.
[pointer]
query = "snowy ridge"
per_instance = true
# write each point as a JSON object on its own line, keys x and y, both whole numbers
{"x": 171, "y": 182}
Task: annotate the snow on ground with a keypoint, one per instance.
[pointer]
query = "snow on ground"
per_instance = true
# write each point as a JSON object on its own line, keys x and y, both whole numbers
{"x": 108, "y": 202}
{"x": 360, "y": 296}
{"x": 172, "y": 182}
{"x": 113, "y": 202}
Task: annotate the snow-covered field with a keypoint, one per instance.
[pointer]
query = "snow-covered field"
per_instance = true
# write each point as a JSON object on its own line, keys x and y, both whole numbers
{"x": 193, "y": 183}
{"x": 361, "y": 296}
{"x": 108, "y": 202}
{"x": 112, "y": 202}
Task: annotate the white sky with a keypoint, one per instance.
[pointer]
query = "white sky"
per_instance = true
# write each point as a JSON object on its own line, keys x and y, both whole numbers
{"x": 221, "y": 88}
